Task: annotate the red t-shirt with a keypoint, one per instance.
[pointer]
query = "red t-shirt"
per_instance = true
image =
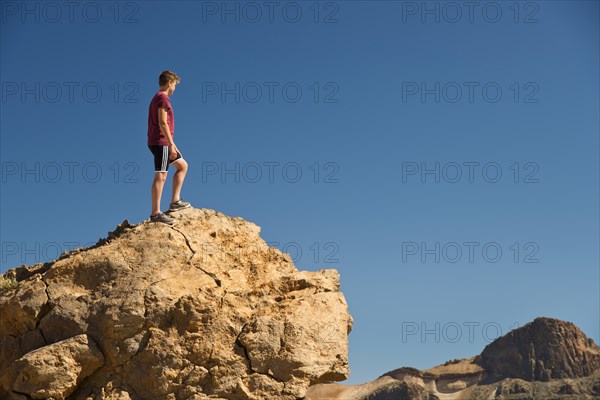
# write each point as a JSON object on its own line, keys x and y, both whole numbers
{"x": 155, "y": 136}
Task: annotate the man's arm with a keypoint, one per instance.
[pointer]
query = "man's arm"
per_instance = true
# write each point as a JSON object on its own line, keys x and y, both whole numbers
{"x": 164, "y": 128}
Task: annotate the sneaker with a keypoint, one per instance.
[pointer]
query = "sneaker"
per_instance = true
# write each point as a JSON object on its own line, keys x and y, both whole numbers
{"x": 179, "y": 205}
{"x": 160, "y": 217}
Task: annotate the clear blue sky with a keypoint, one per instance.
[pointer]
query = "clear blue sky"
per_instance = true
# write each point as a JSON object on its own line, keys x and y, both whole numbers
{"x": 340, "y": 108}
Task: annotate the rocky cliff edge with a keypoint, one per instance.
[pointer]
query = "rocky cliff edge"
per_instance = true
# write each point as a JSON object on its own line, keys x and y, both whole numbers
{"x": 203, "y": 309}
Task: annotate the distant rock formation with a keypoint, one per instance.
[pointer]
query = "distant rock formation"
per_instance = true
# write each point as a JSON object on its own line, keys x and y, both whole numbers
{"x": 542, "y": 350}
{"x": 203, "y": 308}
{"x": 545, "y": 359}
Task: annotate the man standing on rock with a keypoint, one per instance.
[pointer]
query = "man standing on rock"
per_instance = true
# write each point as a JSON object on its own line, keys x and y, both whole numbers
{"x": 161, "y": 128}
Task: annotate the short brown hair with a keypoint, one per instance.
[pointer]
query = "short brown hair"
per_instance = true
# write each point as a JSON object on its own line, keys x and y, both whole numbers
{"x": 166, "y": 77}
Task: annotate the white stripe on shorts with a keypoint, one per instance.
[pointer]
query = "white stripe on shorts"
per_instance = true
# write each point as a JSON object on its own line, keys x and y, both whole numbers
{"x": 165, "y": 159}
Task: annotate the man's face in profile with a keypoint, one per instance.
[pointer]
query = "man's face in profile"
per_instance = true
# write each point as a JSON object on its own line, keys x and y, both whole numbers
{"x": 172, "y": 85}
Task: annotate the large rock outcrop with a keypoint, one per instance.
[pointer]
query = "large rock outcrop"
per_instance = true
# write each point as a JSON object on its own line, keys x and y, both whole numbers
{"x": 202, "y": 308}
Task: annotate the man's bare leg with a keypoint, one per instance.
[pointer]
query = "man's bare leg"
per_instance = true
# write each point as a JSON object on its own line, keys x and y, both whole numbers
{"x": 178, "y": 178}
{"x": 157, "y": 188}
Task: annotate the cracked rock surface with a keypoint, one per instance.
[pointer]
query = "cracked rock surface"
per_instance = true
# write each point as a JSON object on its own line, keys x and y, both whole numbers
{"x": 203, "y": 309}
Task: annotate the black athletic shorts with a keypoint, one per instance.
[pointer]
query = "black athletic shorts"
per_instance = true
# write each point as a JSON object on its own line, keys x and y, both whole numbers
{"x": 161, "y": 157}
